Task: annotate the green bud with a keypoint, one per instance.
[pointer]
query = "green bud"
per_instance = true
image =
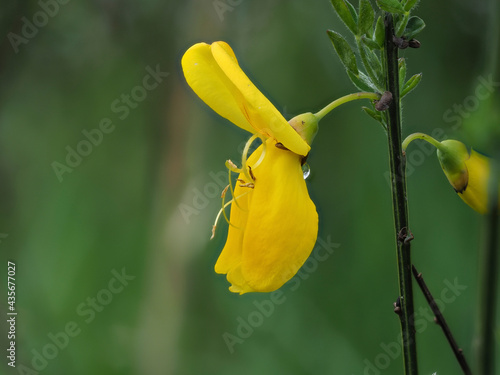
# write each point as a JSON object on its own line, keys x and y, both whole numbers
{"x": 306, "y": 125}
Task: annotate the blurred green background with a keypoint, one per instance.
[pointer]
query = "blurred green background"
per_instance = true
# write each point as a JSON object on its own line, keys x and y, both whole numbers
{"x": 118, "y": 209}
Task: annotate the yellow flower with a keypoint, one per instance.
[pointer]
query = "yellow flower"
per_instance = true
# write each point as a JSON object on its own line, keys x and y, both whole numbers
{"x": 273, "y": 222}
{"x": 468, "y": 172}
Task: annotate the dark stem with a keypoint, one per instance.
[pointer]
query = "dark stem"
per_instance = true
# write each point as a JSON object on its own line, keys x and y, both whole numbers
{"x": 398, "y": 187}
{"x": 489, "y": 282}
{"x": 442, "y": 322}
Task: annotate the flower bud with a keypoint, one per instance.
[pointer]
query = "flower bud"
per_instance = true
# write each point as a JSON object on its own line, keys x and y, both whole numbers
{"x": 452, "y": 156}
{"x": 468, "y": 172}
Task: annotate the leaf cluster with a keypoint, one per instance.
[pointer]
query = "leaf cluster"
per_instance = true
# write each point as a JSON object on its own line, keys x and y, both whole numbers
{"x": 368, "y": 28}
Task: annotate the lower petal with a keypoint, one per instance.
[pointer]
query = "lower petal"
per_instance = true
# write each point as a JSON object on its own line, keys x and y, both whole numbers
{"x": 282, "y": 223}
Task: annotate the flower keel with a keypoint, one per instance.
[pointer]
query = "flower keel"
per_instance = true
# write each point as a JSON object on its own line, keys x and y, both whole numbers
{"x": 278, "y": 225}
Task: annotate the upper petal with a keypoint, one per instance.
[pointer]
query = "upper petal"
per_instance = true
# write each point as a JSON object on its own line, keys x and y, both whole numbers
{"x": 213, "y": 73}
{"x": 261, "y": 113}
{"x": 212, "y": 85}
{"x": 282, "y": 224}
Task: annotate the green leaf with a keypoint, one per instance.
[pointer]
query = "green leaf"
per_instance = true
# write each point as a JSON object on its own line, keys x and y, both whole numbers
{"x": 414, "y": 26}
{"x": 372, "y": 65}
{"x": 362, "y": 82}
{"x": 344, "y": 51}
{"x": 370, "y": 43}
{"x": 379, "y": 33}
{"x": 410, "y": 4}
{"x": 366, "y": 17}
{"x": 401, "y": 25}
{"x": 373, "y": 114}
{"x": 391, "y": 6}
{"x": 402, "y": 73}
{"x": 345, "y": 14}
{"x": 411, "y": 84}
{"x": 352, "y": 10}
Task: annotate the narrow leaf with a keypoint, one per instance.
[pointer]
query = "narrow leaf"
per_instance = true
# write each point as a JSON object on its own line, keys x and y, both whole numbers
{"x": 410, "y": 4}
{"x": 352, "y": 10}
{"x": 402, "y": 73}
{"x": 372, "y": 65}
{"x": 401, "y": 25}
{"x": 391, "y": 6}
{"x": 373, "y": 114}
{"x": 362, "y": 82}
{"x": 411, "y": 84}
{"x": 345, "y": 14}
{"x": 414, "y": 26}
{"x": 366, "y": 17}
{"x": 370, "y": 43}
{"x": 379, "y": 33}
{"x": 344, "y": 51}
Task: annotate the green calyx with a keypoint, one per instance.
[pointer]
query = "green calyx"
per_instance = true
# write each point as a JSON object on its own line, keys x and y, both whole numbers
{"x": 452, "y": 156}
{"x": 306, "y": 125}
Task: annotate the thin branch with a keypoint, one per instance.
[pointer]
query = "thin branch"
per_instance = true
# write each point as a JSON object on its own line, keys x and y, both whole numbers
{"x": 400, "y": 209}
{"x": 442, "y": 322}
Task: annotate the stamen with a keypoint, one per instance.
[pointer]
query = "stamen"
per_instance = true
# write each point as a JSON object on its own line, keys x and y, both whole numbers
{"x": 214, "y": 226}
{"x": 251, "y": 173}
{"x": 223, "y": 194}
{"x": 280, "y": 146}
{"x": 263, "y": 153}
{"x": 245, "y": 184}
{"x": 232, "y": 167}
{"x": 231, "y": 186}
{"x": 250, "y": 185}
{"x": 245, "y": 154}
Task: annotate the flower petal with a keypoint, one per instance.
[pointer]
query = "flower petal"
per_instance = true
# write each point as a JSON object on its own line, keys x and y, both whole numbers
{"x": 476, "y": 191}
{"x": 213, "y": 73}
{"x": 282, "y": 224}
{"x": 211, "y": 84}
{"x": 230, "y": 256}
{"x": 259, "y": 111}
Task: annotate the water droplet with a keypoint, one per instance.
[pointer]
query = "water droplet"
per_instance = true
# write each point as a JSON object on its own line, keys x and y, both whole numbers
{"x": 306, "y": 171}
